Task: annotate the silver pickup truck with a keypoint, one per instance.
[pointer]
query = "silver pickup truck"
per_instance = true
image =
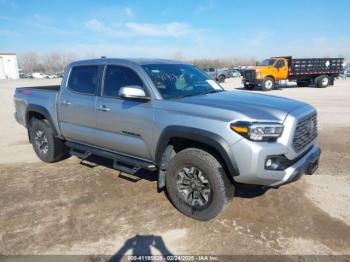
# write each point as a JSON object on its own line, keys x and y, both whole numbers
{"x": 171, "y": 117}
{"x": 218, "y": 75}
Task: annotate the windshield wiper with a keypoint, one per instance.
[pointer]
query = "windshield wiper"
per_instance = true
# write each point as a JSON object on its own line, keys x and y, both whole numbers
{"x": 211, "y": 92}
{"x": 214, "y": 91}
{"x": 199, "y": 94}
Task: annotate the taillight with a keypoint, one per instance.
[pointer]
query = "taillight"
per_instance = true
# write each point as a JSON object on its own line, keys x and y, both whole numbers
{"x": 26, "y": 92}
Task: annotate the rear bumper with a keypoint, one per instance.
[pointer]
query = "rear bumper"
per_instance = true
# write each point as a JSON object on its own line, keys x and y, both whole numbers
{"x": 19, "y": 119}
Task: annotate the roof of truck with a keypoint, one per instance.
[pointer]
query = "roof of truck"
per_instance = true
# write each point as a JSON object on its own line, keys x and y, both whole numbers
{"x": 146, "y": 61}
{"x": 138, "y": 61}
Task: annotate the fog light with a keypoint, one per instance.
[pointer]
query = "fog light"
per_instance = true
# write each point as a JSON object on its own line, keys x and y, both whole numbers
{"x": 275, "y": 163}
{"x": 268, "y": 162}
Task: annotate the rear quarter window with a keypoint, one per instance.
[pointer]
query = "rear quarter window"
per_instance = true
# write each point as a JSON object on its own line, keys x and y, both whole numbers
{"x": 84, "y": 79}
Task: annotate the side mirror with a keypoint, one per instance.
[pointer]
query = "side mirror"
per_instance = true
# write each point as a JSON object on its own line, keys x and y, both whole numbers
{"x": 133, "y": 92}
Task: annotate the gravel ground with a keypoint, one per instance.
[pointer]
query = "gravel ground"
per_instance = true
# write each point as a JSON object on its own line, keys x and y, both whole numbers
{"x": 70, "y": 208}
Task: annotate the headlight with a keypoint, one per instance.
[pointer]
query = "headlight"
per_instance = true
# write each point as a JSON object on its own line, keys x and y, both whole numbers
{"x": 259, "y": 75}
{"x": 258, "y": 131}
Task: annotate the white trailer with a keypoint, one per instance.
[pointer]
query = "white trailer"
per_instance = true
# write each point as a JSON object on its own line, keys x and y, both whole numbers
{"x": 8, "y": 66}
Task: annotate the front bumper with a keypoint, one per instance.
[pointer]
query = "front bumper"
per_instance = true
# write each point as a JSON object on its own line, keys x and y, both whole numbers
{"x": 254, "y": 172}
{"x": 254, "y": 82}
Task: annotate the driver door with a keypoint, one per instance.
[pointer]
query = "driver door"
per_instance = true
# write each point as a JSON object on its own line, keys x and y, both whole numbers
{"x": 123, "y": 125}
{"x": 281, "y": 69}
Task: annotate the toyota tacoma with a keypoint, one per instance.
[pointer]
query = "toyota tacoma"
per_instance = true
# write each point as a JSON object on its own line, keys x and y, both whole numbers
{"x": 171, "y": 117}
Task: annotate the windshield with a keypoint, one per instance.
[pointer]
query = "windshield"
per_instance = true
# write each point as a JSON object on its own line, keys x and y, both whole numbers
{"x": 267, "y": 62}
{"x": 180, "y": 80}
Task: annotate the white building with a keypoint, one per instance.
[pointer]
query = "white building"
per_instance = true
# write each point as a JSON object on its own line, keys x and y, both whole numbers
{"x": 8, "y": 66}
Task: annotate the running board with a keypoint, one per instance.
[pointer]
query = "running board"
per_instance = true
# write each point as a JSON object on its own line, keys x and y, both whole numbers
{"x": 130, "y": 170}
{"x": 123, "y": 163}
{"x": 82, "y": 155}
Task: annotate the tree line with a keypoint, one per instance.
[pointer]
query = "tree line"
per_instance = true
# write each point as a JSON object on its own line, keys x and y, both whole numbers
{"x": 54, "y": 62}
{"x": 220, "y": 62}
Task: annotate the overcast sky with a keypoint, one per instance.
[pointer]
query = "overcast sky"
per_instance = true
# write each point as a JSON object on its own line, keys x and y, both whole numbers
{"x": 160, "y": 28}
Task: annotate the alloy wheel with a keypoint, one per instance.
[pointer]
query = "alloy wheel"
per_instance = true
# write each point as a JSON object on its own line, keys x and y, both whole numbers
{"x": 193, "y": 186}
{"x": 41, "y": 142}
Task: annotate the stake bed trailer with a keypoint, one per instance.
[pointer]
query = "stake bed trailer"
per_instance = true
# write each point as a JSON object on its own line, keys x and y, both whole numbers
{"x": 305, "y": 71}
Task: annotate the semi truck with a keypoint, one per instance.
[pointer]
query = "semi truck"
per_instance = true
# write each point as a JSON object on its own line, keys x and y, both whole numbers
{"x": 170, "y": 117}
{"x": 305, "y": 71}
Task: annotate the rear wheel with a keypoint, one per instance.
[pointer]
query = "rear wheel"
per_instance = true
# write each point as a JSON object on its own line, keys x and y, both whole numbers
{"x": 197, "y": 184}
{"x": 268, "y": 84}
{"x": 46, "y": 145}
{"x": 322, "y": 81}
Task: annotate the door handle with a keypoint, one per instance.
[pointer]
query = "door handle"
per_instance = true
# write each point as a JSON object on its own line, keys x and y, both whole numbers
{"x": 103, "y": 108}
{"x": 66, "y": 103}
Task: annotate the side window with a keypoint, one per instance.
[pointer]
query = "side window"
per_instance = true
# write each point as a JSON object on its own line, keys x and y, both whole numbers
{"x": 117, "y": 77}
{"x": 84, "y": 79}
{"x": 280, "y": 63}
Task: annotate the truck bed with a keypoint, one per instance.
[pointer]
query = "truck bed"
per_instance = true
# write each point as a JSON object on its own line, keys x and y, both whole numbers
{"x": 41, "y": 96}
{"x": 316, "y": 66}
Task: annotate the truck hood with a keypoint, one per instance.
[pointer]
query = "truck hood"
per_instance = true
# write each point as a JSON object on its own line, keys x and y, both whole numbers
{"x": 259, "y": 67}
{"x": 246, "y": 104}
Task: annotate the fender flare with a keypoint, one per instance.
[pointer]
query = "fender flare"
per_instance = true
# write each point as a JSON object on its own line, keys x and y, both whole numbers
{"x": 271, "y": 76}
{"x": 40, "y": 110}
{"x": 198, "y": 135}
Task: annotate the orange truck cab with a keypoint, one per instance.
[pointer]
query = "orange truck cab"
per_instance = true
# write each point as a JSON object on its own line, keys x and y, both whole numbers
{"x": 307, "y": 71}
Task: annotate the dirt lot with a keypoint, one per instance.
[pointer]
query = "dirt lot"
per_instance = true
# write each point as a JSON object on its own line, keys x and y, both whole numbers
{"x": 70, "y": 208}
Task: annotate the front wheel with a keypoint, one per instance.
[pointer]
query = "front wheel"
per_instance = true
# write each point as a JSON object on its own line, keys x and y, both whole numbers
{"x": 197, "y": 185}
{"x": 45, "y": 144}
{"x": 268, "y": 84}
{"x": 221, "y": 78}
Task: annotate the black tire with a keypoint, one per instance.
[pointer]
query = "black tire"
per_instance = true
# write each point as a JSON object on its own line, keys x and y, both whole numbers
{"x": 303, "y": 83}
{"x": 213, "y": 181}
{"x": 46, "y": 145}
{"x": 249, "y": 87}
{"x": 221, "y": 78}
{"x": 322, "y": 81}
{"x": 268, "y": 84}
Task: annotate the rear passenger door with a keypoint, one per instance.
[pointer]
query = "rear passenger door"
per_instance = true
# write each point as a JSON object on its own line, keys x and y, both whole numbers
{"x": 76, "y": 104}
{"x": 123, "y": 125}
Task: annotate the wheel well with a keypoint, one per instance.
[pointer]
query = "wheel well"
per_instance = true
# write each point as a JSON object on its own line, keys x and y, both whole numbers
{"x": 270, "y": 77}
{"x": 31, "y": 115}
{"x": 180, "y": 144}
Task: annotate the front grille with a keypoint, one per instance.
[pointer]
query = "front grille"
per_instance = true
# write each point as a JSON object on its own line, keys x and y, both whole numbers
{"x": 249, "y": 74}
{"x": 305, "y": 132}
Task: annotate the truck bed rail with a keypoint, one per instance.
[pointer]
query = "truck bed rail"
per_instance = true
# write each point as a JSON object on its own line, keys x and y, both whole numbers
{"x": 316, "y": 66}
